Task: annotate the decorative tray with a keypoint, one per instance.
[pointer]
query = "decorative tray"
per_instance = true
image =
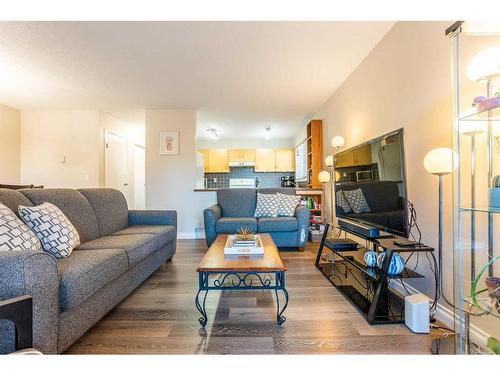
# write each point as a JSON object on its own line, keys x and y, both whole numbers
{"x": 232, "y": 246}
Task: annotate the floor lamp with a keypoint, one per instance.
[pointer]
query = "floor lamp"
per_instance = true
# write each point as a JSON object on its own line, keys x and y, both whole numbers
{"x": 439, "y": 162}
{"x": 331, "y": 175}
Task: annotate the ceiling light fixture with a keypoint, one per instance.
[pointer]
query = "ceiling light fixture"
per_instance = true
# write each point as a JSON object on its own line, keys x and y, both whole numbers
{"x": 212, "y": 134}
{"x": 268, "y": 133}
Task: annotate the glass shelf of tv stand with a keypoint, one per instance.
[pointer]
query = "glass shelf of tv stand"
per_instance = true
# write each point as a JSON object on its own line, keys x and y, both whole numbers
{"x": 371, "y": 272}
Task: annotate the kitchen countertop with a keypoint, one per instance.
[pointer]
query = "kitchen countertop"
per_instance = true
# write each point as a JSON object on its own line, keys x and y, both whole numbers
{"x": 302, "y": 191}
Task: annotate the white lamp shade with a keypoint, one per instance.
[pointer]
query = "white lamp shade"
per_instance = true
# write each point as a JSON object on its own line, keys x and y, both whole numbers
{"x": 324, "y": 176}
{"x": 439, "y": 161}
{"x": 338, "y": 141}
{"x": 484, "y": 65}
{"x": 329, "y": 161}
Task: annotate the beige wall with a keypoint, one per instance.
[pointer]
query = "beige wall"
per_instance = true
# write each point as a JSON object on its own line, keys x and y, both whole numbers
{"x": 60, "y": 148}
{"x": 10, "y": 145}
{"x": 170, "y": 180}
{"x": 403, "y": 83}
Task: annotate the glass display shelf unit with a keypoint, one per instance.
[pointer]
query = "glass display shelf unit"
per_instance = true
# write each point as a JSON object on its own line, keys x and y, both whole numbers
{"x": 475, "y": 68}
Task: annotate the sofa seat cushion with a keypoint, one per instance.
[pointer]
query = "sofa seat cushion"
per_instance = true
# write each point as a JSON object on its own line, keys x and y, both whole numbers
{"x": 137, "y": 246}
{"x": 165, "y": 233}
{"x": 233, "y": 224}
{"x": 86, "y": 271}
{"x": 277, "y": 224}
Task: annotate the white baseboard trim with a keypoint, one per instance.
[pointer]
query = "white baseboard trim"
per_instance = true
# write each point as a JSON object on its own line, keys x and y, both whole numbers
{"x": 445, "y": 315}
{"x": 186, "y": 235}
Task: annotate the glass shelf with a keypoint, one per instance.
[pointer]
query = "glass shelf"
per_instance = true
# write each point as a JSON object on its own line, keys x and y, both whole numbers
{"x": 491, "y": 210}
{"x": 482, "y": 307}
{"x": 473, "y": 114}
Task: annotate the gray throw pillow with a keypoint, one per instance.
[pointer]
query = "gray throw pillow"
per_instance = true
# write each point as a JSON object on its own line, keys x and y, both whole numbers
{"x": 341, "y": 202}
{"x": 14, "y": 234}
{"x": 287, "y": 204}
{"x": 56, "y": 233}
{"x": 267, "y": 205}
{"x": 357, "y": 201}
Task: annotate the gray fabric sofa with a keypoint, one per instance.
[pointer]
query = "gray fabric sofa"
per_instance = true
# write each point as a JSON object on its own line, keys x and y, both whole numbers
{"x": 120, "y": 248}
{"x": 235, "y": 208}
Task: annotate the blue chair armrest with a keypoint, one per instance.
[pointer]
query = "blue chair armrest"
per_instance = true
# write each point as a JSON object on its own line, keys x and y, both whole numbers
{"x": 303, "y": 215}
{"x": 152, "y": 217}
{"x": 210, "y": 217}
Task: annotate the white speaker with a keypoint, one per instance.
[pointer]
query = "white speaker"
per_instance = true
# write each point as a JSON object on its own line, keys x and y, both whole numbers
{"x": 417, "y": 313}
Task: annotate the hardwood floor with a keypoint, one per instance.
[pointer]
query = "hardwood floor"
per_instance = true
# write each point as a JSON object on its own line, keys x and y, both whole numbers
{"x": 160, "y": 317}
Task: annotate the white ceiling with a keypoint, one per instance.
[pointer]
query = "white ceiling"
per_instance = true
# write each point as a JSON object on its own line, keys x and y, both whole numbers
{"x": 239, "y": 76}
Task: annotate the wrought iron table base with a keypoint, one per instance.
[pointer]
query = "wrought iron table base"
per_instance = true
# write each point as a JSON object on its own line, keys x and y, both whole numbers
{"x": 241, "y": 281}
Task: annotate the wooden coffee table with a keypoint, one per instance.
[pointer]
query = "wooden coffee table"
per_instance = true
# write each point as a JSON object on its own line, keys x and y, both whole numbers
{"x": 217, "y": 271}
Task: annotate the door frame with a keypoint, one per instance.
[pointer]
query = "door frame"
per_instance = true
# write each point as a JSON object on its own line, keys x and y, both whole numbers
{"x": 106, "y": 132}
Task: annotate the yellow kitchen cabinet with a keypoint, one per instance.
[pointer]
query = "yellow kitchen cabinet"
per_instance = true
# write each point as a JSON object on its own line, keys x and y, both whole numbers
{"x": 239, "y": 155}
{"x": 285, "y": 160}
{"x": 204, "y": 154}
{"x": 265, "y": 160}
{"x": 345, "y": 160}
{"x": 363, "y": 155}
{"x": 218, "y": 161}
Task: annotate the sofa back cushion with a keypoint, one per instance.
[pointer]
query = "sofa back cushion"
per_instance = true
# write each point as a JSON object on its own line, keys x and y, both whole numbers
{"x": 110, "y": 208}
{"x": 381, "y": 196}
{"x": 237, "y": 202}
{"x": 13, "y": 199}
{"x": 73, "y": 204}
{"x": 281, "y": 190}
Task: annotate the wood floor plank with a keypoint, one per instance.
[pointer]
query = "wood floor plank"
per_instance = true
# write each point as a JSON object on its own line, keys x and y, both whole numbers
{"x": 159, "y": 317}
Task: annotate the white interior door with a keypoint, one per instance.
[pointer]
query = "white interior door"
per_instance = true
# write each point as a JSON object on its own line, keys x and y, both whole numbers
{"x": 116, "y": 163}
{"x": 139, "y": 177}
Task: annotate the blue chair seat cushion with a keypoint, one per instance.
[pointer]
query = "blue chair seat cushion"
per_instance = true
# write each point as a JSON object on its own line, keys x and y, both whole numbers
{"x": 86, "y": 271}
{"x": 277, "y": 224}
{"x": 137, "y": 246}
{"x": 165, "y": 233}
{"x": 233, "y": 224}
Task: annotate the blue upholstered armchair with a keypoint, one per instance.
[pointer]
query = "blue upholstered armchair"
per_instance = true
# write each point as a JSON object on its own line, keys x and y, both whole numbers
{"x": 235, "y": 209}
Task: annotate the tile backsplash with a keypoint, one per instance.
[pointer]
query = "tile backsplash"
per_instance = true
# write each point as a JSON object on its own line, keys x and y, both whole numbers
{"x": 267, "y": 179}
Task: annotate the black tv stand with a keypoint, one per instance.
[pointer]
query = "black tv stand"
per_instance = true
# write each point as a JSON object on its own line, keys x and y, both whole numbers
{"x": 365, "y": 287}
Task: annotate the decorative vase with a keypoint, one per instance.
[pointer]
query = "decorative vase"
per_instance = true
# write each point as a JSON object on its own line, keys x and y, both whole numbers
{"x": 493, "y": 284}
{"x": 494, "y": 193}
{"x": 370, "y": 258}
{"x": 397, "y": 264}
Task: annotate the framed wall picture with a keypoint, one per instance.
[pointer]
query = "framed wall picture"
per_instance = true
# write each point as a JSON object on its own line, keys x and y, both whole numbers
{"x": 169, "y": 143}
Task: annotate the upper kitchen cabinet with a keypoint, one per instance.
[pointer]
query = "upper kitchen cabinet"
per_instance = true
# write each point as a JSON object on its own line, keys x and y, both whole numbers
{"x": 265, "y": 160}
{"x": 241, "y": 155}
{"x": 285, "y": 160}
{"x": 218, "y": 161}
{"x": 360, "y": 156}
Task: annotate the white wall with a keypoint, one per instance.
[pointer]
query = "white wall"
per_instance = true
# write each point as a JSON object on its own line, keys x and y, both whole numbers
{"x": 61, "y": 148}
{"x": 170, "y": 180}
{"x": 10, "y": 145}
{"x": 244, "y": 143}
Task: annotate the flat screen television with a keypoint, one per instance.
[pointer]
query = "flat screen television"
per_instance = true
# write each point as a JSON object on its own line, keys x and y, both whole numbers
{"x": 370, "y": 184}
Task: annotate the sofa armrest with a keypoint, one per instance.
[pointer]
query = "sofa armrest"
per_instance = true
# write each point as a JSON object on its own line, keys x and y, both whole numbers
{"x": 210, "y": 217}
{"x": 303, "y": 215}
{"x": 152, "y": 217}
{"x": 31, "y": 273}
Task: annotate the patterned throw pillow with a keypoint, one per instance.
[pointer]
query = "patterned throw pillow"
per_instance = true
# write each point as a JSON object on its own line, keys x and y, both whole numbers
{"x": 287, "y": 204}
{"x": 14, "y": 234}
{"x": 341, "y": 202}
{"x": 357, "y": 201}
{"x": 58, "y": 236}
{"x": 267, "y": 205}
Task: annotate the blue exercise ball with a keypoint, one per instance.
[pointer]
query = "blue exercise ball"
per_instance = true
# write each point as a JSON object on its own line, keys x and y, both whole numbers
{"x": 397, "y": 263}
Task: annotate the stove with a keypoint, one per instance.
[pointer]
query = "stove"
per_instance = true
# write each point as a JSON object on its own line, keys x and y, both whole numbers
{"x": 235, "y": 183}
